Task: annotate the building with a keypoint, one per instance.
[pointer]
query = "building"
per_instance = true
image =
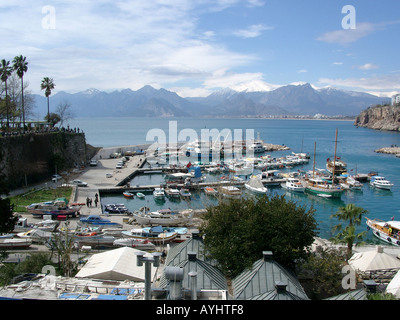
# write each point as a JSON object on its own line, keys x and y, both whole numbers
{"x": 396, "y": 99}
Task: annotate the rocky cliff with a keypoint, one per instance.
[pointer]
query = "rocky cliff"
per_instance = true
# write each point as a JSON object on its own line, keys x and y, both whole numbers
{"x": 34, "y": 157}
{"x": 380, "y": 118}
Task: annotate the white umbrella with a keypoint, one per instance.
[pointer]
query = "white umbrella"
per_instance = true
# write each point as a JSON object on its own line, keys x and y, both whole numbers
{"x": 373, "y": 260}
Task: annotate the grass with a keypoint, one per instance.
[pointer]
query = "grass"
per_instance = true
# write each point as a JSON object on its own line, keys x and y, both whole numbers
{"x": 40, "y": 195}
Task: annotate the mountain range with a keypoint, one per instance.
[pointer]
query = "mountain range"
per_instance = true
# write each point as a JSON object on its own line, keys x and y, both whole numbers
{"x": 290, "y": 100}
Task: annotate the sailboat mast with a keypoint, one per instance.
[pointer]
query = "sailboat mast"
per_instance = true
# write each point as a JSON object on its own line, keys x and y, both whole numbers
{"x": 313, "y": 170}
{"x": 334, "y": 159}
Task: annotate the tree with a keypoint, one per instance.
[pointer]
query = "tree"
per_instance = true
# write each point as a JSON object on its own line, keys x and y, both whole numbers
{"x": 64, "y": 112}
{"x": 353, "y": 215}
{"x": 5, "y": 72}
{"x": 47, "y": 85}
{"x": 239, "y": 230}
{"x": 21, "y": 66}
{"x": 7, "y": 217}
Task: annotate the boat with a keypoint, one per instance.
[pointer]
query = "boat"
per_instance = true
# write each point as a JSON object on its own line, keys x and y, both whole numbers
{"x": 97, "y": 220}
{"x": 14, "y": 243}
{"x": 336, "y": 166}
{"x": 140, "y": 195}
{"x": 210, "y": 191}
{"x": 229, "y": 191}
{"x": 159, "y": 193}
{"x": 128, "y": 194}
{"x": 156, "y": 235}
{"x": 380, "y": 182}
{"x": 45, "y": 225}
{"x": 388, "y": 231}
{"x": 141, "y": 244}
{"x": 353, "y": 183}
{"x": 163, "y": 217}
{"x": 116, "y": 208}
{"x": 185, "y": 193}
{"x": 172, "y": 192}
{"x": 293, "y": 184}
{"x": 270, "y": 177}
{"x": 257, "y": 147}
{"x": 255, "y": 185}
{"x": 55, "y": 208}
{"x": 94, "y": 240}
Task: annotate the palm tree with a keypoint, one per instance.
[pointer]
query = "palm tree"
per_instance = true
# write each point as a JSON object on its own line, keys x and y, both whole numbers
{"x": 353, "y": 215}
{"x": 47, "y": 85}
{"x": 5, "y": 72}
{"x": 21, "y": 66}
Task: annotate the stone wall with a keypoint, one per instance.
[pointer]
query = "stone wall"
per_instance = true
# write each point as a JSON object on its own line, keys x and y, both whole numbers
{"x": 380, "y": 118}
{"x": 34, "y": 157}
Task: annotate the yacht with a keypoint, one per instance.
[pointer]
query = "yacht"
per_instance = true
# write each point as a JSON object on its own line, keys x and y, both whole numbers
{"x": 159, "y": 193}
{"x": 380, "y": 182}
{"x": 257, "y": 147}
{"x": 293, "y": 184}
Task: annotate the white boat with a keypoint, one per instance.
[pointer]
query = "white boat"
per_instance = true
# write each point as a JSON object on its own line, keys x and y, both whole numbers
{"x": 140, "y": 195}
{"x": 14, "y": 243}
{"x": 159, "y": 193}
{"x": 257, "y": 147}
{"x": 141, "y": 244}
{"x": 293, "y": 184}
{"x": 388, "y": 231}
{"x": 255, "y": 185}
{"x": 156, "y": 235}
{"x": 270, "y": 177}
{"x": 165, "y": 217}
{"x": 230, "y": 191}
{"x": 171, "y": 192}
{"x": 381, "y": 182}
{"x": 185, "y": 193}
{"x": 353, "y": 183}
{"x": 210, "y": 191}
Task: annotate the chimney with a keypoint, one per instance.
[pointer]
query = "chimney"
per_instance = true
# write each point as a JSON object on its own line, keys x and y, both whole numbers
{"x": 192, "y": 256}
{"x": 175, "y": 277}
{"x": 370, "y": 285}
{"x": 193, "y": 280}
{"x": 267, "y": 255}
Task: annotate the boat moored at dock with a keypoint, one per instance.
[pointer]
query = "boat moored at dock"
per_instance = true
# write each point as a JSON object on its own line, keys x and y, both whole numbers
{"x": 387, "y": 231}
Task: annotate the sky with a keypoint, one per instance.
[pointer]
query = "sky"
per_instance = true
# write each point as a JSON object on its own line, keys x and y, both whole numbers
{"x": 195, "y": 47}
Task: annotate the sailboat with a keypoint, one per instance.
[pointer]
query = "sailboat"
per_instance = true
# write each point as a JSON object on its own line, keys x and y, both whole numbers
{"x": 320, "y": 187}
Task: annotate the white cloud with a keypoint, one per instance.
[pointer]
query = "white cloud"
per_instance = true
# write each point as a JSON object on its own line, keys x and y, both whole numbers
{"x": 368, "y": 66}
{"x": 252, "y": 31}
{"x": 337, "y": 63}
{"x": 303, "y": 71}
{"x": 345, "y": 36}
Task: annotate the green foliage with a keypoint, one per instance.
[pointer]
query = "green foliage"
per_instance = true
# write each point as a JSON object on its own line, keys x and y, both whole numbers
{"x": 322, "y": 274}
{"x": 353, "y": 215}
{"x": 239, "y": 230}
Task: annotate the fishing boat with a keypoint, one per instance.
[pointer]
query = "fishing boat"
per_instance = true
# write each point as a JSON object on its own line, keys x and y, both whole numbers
{"x": 141, "y": 244}
{"x": 336, "y": 166}
{"x": 388, "y": 231}
{"x": 159, "y": 193}
{"x": 230, "y": 191}
{"x": 380, "y": 182}
{"x": 55, "y": 208}
{"x": 128, "y": 194}
{"x": 210, "y": 191}
{"x": 156, "y": 235}
{"x": 185, "y": 193}
{"x": 255, "y": 185}
{"x": 14, "y": 243}
{"x": 115, "y": 208}
{"x": 353, "y": 183}
{"x": 293, "y": 184}
{"x": 172, "y": 192}
{"x": 320, "y": 187}
{"x": 165, "y": 217}
{"x": 97, "y": 220}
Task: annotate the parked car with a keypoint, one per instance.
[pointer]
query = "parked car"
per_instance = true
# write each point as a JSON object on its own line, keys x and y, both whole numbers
{"x": 119, "y": 165}
{"x": 93, "y": 163}
{"x": 56, "y": 177}
{"x": 79, "y": 183}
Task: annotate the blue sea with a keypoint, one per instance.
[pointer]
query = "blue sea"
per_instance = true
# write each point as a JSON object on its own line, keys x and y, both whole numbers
{"x": 354, "y": 145}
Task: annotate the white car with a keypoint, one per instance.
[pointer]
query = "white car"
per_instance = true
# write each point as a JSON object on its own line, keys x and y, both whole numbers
{"x": 56, "y": 177}
{"x": 93, "y": 163}
{"x": 79, "y": 183}
{"x": 119, "y": 165}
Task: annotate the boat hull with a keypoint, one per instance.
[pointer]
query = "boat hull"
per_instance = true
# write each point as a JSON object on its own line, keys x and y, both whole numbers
{"x": 381, "y": 232}
{"x": 322, "y": 192}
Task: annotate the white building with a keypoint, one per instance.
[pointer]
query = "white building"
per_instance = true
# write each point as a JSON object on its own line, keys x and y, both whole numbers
{"x": 396, "y": 99}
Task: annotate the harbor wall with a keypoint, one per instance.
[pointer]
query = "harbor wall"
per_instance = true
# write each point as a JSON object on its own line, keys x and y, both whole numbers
{"x": 34, "y": 157}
